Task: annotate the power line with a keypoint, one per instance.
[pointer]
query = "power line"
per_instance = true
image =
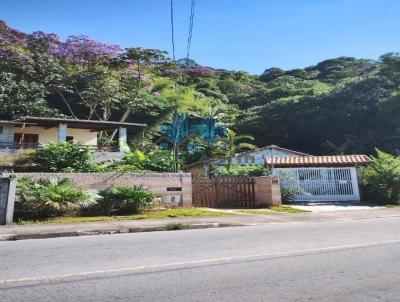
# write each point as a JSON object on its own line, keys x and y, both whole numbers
{"x": 172, "y": 29}
{"x": 191, "y": 19}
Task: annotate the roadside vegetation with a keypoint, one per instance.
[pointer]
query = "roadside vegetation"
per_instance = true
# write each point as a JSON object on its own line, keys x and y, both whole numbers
{"x": 151, "y": 214}
{"x": 382, "y": 179}
{"x": 59, "y": 200}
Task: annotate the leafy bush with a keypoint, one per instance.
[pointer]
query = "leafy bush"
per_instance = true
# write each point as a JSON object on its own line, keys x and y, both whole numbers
{"x": 50, "y": 197}
{"x": 62, "y": 157}
{"x": 155, "y": 160}
{"x": 245, "y": 170}
{"x": 382, "y": 179}
{"x": 176, "y": 226}
{"x": 126, "y": 200}
{"x": 287, "y": 195}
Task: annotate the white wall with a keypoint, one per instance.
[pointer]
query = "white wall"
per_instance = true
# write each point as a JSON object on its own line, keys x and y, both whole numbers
{"x": 84, "y": 136}
{"x": 256, "y": 157}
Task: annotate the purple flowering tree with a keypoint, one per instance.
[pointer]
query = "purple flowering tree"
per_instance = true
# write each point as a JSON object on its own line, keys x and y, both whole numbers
{"x": 84, "y": 50}
{"x": 200, "y": 71}
{"x": 40, "y": 41}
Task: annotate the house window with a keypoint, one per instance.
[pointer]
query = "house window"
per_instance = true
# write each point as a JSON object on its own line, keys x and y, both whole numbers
{"x": 26, "y": 140}
{"x": 1, "y": 129}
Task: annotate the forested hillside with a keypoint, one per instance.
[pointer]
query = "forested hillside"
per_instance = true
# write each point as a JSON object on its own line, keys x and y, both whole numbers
{"x": 342, "y": 105}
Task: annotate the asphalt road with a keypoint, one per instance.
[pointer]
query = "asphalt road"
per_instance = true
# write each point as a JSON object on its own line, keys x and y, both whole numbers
{"x": 356, "y": 260}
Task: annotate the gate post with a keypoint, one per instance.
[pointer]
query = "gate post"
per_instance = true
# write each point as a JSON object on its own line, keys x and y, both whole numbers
{"x": 7, "y": 199}
{"x": 354, "y": 183}
{"x": 267, "y": 191}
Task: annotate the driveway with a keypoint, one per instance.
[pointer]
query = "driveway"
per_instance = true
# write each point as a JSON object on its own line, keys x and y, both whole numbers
{"x": 328, "y": 206}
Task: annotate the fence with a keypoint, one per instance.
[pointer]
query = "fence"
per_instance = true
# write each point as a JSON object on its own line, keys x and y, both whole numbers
{"x": 321, "y": 184}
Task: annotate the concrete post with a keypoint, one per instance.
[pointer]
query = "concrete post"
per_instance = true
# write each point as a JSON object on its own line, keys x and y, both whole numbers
{"x": 12, "y": 190}
{"x": 62, "y": 132}
{"x": 122, "y": 140}
{"x": 186, "y": 181}
{"x": 267, "y": 191}
{"x": 7, "y": 200}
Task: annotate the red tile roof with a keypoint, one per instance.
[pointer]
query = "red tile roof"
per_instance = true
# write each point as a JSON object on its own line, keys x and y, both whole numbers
{"x": 312, "y": 161}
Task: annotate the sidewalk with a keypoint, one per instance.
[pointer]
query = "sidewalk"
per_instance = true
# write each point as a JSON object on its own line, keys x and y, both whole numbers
{"x": 19, "y": 232}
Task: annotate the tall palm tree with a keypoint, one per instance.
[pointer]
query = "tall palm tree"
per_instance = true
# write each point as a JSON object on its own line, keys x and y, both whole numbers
{"x": 232, "y": 144}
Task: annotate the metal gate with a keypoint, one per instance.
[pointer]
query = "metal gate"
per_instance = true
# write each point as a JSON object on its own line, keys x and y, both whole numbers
{"x": 321, "y": 184}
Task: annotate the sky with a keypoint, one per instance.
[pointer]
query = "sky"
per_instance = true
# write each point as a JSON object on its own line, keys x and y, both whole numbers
{"x": 249, "y": 35}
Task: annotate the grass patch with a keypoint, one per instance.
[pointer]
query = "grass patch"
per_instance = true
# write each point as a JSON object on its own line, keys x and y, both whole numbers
{"x": 287, "y": 209}
{"x": 176, "y": 226}
{"x": 255, "y": 211}
{"x": 182, "y": 212}
{"x": 273, "y": 209}
{"x": 159, "y": 214}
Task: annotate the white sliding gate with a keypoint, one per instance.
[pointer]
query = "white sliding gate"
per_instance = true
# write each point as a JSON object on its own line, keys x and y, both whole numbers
{"x": 321, "y": 184}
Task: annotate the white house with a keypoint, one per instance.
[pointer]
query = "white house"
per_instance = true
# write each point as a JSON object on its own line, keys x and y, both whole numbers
{"x": 251, "y": 157}
{"x": 30, "y": 133}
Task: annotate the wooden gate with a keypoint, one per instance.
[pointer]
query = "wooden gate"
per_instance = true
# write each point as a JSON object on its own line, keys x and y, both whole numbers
{"x": 223, "y": 192}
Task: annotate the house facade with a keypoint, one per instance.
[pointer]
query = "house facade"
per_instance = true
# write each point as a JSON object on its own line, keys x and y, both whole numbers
{"x": 15, "y": 135}
{"x": 252, "y": 157}
{"x": 29, "y": 133}
{"x": 258, "y": 156}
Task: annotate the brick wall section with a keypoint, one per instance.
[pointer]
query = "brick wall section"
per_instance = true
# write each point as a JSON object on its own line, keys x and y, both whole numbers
{"x": 267, "y": 191}
{"x": 156, "y": 182}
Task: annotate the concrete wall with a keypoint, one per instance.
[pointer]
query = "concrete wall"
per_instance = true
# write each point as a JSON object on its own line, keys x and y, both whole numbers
{"x": 175, "y": 188}
{"x": 84, "y": 136}
{"x": 267, "y": 191}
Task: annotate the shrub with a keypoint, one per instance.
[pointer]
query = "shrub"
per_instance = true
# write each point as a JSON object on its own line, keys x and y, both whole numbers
{"x": 176, "y": 226}
{"x": 382, "y": 179}
{"x": 287, "y": 195}
{"x": 62, "y": 157}
{"x": 61, "y": 195}
{"x": 28, "y": 202}
{"x": 155, "y": 160}
{"x": 50, "y": 197}
{"x": 126, "y": 200}
{"x": 244, "y": 170}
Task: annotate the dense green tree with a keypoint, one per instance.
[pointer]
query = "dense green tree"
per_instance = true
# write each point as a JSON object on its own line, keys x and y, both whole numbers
{"x": 340, "y": 105}
{"x": 232, "y": 144}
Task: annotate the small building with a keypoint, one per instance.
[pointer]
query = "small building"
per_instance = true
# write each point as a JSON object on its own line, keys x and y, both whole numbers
{"x": 251, "y": 157}
{"x": 30, "y": 133}
{"x": 320, "y": 178}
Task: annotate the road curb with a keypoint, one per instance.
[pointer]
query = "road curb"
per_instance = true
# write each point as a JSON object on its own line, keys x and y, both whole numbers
{"x": 42, "y": 235}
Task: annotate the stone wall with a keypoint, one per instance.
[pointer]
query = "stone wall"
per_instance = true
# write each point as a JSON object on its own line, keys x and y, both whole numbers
{"x": 174, "y": 188}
